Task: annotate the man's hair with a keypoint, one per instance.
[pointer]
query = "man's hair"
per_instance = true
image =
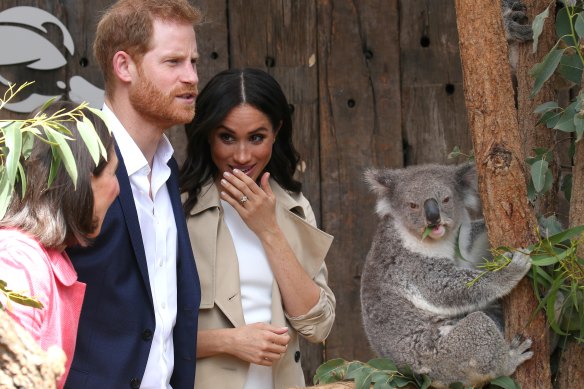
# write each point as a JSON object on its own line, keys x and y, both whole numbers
{"x": 127, "y": 26}
{"x": 61, "y": 213}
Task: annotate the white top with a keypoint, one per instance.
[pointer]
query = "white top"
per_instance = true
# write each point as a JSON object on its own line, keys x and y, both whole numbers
{"x": 159, "y": 236}
{"x": 256, "y": 280}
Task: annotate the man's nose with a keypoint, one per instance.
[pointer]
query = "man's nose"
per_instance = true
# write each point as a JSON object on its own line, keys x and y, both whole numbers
{"x": 190, "y": 75}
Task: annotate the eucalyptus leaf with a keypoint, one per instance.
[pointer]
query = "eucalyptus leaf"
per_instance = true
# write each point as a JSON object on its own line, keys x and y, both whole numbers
{"x": 537, "y": 27}
{"x": 545, "y": 107}
{"x": 25, "y": 300}
{"x": 382, "y": 385}
{"x": 64, "y": 151}
{"x": 539, "y": 170}
{"x": 505, "y": 383}
{"x": 13, "y": 142}
{"x": 569, "y": 233}
{"x": 566, "y": 122}
{"x": 331, "y": 371}
{"x": 544, "y": 70}
{"x": 383, "y": 364}
{"x": 5, "y": 191}
{"x": 570, "y": 67}
{"x": 564, "y": 27}
{"x": 579, "y": 25}
{"x": 90, "y": 137}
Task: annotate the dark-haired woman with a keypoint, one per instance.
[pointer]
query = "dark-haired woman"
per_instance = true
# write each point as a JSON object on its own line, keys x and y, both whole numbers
{"x": 46, "y": 219}
{"x": 259, "y": 254}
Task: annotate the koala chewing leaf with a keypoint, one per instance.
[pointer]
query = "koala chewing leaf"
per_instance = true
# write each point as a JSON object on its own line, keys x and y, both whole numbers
{"x": 416, "y": 305}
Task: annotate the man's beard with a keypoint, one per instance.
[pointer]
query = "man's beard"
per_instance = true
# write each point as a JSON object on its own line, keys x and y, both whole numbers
{"x": 162, "y": 109}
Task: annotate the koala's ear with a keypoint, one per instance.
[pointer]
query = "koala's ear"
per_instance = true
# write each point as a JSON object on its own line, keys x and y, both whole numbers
{"x": 467, "y": 182}
{"x": 379, "y": 181}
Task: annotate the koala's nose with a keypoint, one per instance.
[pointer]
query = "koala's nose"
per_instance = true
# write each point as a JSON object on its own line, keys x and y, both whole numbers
{"x": 432, "y": 211}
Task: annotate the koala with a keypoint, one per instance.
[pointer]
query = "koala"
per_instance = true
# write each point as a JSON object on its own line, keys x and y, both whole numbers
{"x": 417, "y": 308}
{"x": 517, "y": 30}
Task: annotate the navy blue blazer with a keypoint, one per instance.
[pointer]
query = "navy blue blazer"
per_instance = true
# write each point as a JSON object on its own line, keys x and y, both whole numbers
{"x": 117, "y": 318}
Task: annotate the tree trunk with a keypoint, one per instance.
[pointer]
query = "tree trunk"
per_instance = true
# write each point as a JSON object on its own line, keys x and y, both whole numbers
{"x": 500, "y": 159}
{"x": 570, "y": 369}
{"x": 22, "y": 362}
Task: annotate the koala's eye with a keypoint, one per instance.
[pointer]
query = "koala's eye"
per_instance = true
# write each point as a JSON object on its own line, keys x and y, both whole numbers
{"x": 446, "y": 200}
{"x": 413, "y": 206}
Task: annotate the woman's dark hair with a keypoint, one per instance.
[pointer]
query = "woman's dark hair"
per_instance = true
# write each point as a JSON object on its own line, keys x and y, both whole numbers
{"x": 225, "y": 91}
{"x": 60, "y": 213}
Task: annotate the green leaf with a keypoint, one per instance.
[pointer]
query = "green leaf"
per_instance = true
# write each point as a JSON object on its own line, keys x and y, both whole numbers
{"x": 382, "y": 385}
{"x": 331, "y": 371}
{"x": 570, "y": 68}
{"x": 426, "y": 232}
{"x": 505, "y": 383}
{"x": 578, "y": 126}
{"x": 25, "y": 300}
{"x": 569, "y": 233}
{"x": 383, "y": 364}
{"x": 5, "y": 191}
{"x": 579, "y": 25}
{"x": 64, "y": 151}
{"x": 564, "y": 27}
{"x": 90, "y": 137}
{"x": 537, "y": 27}
{"x": 566, "y": 122}
{"x": 454, "y": 153}
{"x": 544, "y": 70}
{"x": 539, "y": 169}
{"x": 545, "y": 107}
{"x": 13, "y": 142}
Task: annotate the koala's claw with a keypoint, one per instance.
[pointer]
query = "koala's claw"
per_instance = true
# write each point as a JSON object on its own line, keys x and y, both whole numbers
{"x": 519, "y": 351}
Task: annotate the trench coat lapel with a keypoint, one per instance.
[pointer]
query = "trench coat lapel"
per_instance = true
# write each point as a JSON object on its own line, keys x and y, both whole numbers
{"x": 217, "y": 263}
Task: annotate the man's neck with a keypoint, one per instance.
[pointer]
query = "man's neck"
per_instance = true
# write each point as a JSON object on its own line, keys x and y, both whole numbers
{"x": 145, "y": 134}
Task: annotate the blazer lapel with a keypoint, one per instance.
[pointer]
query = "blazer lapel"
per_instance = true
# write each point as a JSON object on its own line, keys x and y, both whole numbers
{"x": 131, "y": 217}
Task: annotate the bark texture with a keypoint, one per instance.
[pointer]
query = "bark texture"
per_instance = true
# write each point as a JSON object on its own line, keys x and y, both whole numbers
{"x": 22, "y": 362}
{"x": 570, "y": 368}
{"x": 500, "y": 156}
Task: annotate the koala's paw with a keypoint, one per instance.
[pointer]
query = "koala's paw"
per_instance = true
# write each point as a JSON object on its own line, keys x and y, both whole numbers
{"x": 519, "y": 351}
{"x": 521, "y": 261}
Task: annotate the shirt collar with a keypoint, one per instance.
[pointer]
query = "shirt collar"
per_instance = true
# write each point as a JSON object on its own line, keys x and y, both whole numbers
{"x": 133, "y": 157}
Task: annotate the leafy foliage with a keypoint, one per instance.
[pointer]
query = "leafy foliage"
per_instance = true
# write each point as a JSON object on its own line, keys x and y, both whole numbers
{"x": 17, "y": 137}
{"x": 557, "y": 271}
{"x": 382, "y": 373}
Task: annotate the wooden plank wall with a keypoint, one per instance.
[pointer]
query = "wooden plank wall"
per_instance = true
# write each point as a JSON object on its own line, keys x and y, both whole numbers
{"x": 371, "y": 83}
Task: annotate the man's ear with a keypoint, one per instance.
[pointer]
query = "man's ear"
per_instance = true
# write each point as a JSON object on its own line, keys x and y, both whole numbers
{"x": 124, "y": 66}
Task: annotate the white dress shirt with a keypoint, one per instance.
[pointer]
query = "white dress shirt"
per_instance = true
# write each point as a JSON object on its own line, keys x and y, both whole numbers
{"x": 159, "y": 236}
{"x": 256, "y": 279}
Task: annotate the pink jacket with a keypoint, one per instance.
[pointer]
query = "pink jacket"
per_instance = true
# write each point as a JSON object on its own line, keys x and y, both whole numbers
{"x": 49, "y": 276}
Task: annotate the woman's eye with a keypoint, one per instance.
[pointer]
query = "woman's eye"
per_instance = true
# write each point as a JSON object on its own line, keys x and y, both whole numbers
{"x": 226, "y": 137}
{"x": 257, "y": 138}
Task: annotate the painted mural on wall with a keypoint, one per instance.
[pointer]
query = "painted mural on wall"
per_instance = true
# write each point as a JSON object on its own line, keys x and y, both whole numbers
{"x": 23, "y": 42}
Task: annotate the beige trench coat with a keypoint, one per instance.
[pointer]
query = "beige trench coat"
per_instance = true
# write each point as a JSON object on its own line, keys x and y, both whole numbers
{"x": 220, "y": 290}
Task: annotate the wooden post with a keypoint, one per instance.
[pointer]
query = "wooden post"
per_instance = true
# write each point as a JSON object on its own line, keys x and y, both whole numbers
{"x": 500, "y": 158}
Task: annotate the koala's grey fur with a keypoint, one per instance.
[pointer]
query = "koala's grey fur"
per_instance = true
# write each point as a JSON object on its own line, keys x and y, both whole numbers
{"x": 416, "y": 305}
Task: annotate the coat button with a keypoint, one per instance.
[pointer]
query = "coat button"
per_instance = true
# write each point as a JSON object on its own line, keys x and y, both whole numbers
{"x": 147, "y": 334}
{"x": 135, "y": 383}
{"x": 297, "y": 356}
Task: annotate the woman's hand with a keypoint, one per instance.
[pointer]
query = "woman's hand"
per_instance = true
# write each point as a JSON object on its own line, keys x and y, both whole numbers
{"x": 259, "y": 343}
{"x": 255, "y": 205}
